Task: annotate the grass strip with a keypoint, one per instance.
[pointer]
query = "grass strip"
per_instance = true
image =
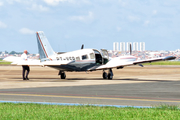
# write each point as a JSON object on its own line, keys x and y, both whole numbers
{"x": 38, "y": 111}
{"x": 5, "y": 63}
{"x": 163, "y": 63}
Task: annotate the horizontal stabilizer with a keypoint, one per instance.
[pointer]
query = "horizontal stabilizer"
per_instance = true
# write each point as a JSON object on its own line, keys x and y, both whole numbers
{"x": 31, "y": 63}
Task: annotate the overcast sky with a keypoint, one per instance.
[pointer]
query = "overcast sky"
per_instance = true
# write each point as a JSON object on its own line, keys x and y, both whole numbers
{"x": 96, "y": 23}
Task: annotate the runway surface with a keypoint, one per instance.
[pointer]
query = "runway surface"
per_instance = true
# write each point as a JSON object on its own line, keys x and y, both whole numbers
{"x": 133, "y": 86}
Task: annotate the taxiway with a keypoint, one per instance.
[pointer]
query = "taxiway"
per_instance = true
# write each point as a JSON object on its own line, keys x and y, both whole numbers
{"x": 133, "y": 86}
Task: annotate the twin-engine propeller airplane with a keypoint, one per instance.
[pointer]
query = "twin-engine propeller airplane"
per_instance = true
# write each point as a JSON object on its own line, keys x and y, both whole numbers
{"x": 82, "y": 60}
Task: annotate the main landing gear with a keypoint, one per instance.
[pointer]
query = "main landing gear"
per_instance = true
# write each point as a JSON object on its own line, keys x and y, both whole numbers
{"x": 62, "y": 74}
{"x": 109, "y": 75}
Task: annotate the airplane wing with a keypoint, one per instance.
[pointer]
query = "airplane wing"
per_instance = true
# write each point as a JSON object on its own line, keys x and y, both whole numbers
{"x": 116, "y": 63}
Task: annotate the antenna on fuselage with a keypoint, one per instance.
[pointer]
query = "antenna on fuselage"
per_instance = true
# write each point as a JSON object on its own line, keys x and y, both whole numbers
{"x": 82, "y": 47}
{"x": 130, "y": 49}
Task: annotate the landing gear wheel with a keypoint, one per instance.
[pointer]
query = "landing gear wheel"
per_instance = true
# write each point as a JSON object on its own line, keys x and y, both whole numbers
{"x": 63, "y": 75}
{"x": 104, "y": 75}
{"x": 110, "y": 77}
{"x": 110, "y": 74}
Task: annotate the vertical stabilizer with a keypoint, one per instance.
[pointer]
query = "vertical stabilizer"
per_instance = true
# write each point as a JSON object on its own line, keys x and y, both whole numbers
{"x": 45, "y": 49}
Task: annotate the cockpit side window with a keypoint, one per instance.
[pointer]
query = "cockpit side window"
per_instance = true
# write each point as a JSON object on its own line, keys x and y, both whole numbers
{"x": 92, "y": 55}
{"x": 84, "y": 57}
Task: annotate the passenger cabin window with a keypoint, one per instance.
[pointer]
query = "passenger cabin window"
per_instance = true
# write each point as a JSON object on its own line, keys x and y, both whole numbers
{"x": 57, "y": 58}
{"x": 70, "y": 58}
{"x": 92, "y": 55}
{"x": 60, "y": 58}
{"x": 67, "y": 58}
{"x": 84, "y": 57}
{"x": 77, "y": 58}
{"x": 73, "y": 58}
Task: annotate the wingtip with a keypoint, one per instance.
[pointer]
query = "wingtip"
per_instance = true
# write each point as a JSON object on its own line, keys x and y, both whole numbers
{"x": 170, "y": 58}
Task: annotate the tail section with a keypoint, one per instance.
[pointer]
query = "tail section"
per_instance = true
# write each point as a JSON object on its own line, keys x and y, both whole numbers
{"x": 45, "y": 49}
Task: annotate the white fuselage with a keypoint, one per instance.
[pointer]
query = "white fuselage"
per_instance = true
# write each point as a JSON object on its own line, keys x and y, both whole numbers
{"x": 82, "y": 60}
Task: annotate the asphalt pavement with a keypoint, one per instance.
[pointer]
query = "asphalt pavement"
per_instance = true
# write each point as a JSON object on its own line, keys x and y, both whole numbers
{"x": 144, "y": 88}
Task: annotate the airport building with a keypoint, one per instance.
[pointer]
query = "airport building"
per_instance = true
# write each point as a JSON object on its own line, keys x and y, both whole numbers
{"x": 128, "y": 46}
{"x": 122, "y": 46}
{"x": 115, "y": 46}
{"x": 135, "y": 46}
{"x": 142, "y": 46}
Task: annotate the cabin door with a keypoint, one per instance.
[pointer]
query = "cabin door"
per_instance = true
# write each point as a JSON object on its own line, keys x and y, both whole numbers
{"x": 105, "y": 56}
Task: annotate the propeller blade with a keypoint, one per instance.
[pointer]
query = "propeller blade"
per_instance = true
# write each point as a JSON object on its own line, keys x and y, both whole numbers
{"x": 130, "y": 49}
{"x": 82, "y": 47}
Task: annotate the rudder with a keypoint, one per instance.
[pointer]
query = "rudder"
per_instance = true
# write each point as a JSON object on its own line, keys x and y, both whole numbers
{"x": 45, "y": 49}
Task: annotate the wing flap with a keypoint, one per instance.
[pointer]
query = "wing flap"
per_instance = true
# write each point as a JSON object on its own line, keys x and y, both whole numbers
{"x": 114, "y": 66}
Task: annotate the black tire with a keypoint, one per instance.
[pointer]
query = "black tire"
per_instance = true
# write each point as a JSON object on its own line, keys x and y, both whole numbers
{"x": 63, "y": 76}
{"x": 105, "y": 75}
{"x": 110, "y": 77}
